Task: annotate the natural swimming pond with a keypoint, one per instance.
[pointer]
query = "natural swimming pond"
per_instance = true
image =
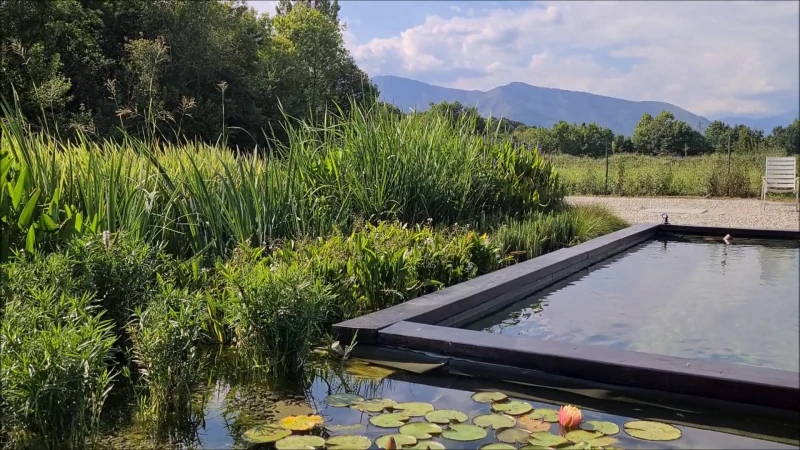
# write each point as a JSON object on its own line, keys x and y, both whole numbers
{"x": 236, "y": 400}
{"x": 679, "y": 296}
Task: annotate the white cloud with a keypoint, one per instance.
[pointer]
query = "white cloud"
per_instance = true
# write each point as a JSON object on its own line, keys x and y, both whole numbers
{"x": 264, "y": 6}
{"x": 709, "y": 57}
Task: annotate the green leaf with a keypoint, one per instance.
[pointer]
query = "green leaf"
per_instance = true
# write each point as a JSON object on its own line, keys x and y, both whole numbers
{"x": 421, "y": 430}
{"x": 374, "y": 405}
{"x": 30, "y": 240}
{"x": 47, "y": 223}
{"x": 299, "y": 441}
{"x": 546, "y": 439}
{"x": 348, "y": 443}
{"x": 514, "y": 408}
{"x": 262, "y": 434}
{"x": 489, "y": 397}
{"x": 401, "y": 440}
{"x": 602, "y": 441}
{"x": 546, "y": 414}
{"x": 414, "y": 409}
{"x": 446, "y": 416}
{"x": 343, "y": 400}
{"x": 427, "y": 445}
{"x": 463, "y": 432}
{"x": 19, "y": 188}
{"x": 497, "y": 446}
{"x": 27, "y": 212}
{"x": 652, "y": 431}
{"x": 607, "y": 428}
{"x": 513, "y": 435}
{"x": 495, "y": 421}
{"x": 391, "y": 420}
{"x": 582, "y": 435}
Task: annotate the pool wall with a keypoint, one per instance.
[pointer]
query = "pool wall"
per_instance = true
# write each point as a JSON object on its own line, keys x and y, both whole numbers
{"x": 429, "y": 323}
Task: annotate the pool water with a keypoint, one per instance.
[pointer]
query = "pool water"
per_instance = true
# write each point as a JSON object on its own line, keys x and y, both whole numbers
{"x": 677, "y": 296}
{"x": 230, "y": 407}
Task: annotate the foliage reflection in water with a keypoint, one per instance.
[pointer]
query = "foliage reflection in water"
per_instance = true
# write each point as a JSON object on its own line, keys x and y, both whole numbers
{"x": 238, "y": 398}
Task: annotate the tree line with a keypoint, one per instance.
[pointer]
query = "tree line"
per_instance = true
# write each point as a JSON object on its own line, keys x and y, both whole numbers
{"x": 205, "y": 69}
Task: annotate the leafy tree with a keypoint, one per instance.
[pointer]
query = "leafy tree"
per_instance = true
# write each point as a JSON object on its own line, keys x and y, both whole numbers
{"x": 787, "y": 138}
{"x": 664, "y": 135}
{"x": 328, "y": 8}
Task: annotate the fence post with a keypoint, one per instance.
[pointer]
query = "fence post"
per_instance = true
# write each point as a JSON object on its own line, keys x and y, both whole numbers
{"x": 606, "y": 191}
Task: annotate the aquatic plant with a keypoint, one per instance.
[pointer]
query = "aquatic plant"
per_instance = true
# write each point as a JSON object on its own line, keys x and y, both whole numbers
{"x": 569, "y": 416}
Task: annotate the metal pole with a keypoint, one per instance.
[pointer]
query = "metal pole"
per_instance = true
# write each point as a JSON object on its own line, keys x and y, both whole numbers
{"x": 606, "y": 169}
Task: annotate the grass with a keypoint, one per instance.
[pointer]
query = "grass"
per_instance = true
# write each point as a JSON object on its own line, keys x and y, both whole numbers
{"x": 638, "y": 176}
{"x": 121, "y": 260}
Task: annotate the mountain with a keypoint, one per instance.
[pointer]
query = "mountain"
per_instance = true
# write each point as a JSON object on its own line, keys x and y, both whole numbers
{"x": 763, "y": 123}
{"x": 532, "y": 105}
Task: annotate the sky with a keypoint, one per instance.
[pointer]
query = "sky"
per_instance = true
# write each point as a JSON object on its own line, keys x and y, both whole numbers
{"x": 715, "y": 58}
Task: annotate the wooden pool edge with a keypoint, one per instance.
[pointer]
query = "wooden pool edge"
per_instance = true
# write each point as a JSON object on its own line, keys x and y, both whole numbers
{"x": 427, "y": 323}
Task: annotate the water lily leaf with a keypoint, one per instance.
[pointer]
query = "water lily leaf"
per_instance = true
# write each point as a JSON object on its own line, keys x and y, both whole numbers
{"x": 348, "y": 443}
{"x": 391, "y": 420}
{"x": 512, "y": 408}
{"x": 496, "y": 421}
{"x": 602, "y": 441}
{"x": 607, "y": 428}
{"x": 497, "y": 446}
{"x": 446, "y": 416}
{"x": 343, "y": 400}
{"x": 537, "y": 447}
{"x": 300, "y": 442}
{"x": 546, "y": 414}
{"x": 363, "y": 370}
{"x": 401, "y": 440}
{"x": 545, "y": 439}
{"x": 302, "y": 423}
{"x": 513, "y": 435}
{"x": 582, "y": 435}
{"x": 427, "y": 445}
{"x": 414, "y": 409}
{"x": 421, "y": 430}
{"x": 375, "y": 405}
{"x": 489, "y": 397}
{"x": 652, "y": 431}
{"x": 345, "y": 427}
{"x": 262, "y": 434}
{"x": 463, "y": 432}
{"x": 533, "y": 425}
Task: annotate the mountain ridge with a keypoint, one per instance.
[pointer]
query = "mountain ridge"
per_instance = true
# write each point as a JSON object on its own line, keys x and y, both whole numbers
{"x": 541, "y": 106}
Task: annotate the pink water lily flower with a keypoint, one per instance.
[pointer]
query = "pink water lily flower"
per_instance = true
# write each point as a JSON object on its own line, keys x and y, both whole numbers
{"x": 569, "y": 416}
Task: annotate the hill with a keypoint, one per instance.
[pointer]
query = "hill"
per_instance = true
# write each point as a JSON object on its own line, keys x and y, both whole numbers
{"x": 532, "y": 105}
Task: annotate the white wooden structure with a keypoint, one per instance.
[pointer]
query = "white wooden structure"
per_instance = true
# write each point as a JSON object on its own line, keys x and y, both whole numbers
{"x": 781, "y": 177}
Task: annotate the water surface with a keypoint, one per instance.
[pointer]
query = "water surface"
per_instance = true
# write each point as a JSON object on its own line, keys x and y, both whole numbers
{"x": 683, "y": 297}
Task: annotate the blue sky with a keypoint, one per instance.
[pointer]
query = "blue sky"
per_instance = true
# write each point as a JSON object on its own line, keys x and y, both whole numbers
{"x": 713, "y": 58}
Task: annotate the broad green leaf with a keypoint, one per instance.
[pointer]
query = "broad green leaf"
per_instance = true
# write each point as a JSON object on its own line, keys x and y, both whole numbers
{"x": 391, "y": 420}
{"x": 343, "y": 400}
{"x": 302, "y": 423}
{"x": 582, "y": 435}
{"x": 414, "y": 409}
{"x": 348, "y": 443}
{"x": 427, "y": 445}
{"x": 489, "y": 397}
{"x": 546, "y": 414}
{"x": 607, "y": 428}
{"x": 602, "y": 441}
{"x": 401, "y": 440}
{"x": 546, "y": 439}
{"x": 262, "y": 434}
{"x": 27, "y": 212}
{"x": 19, "y": 188}
{"x": 446, "y": 416}
{"x": 463, "y": 432}
{"x": 374, "y": 405}
{"x": 652, "y": 431}
{"x": 300, "y": 442}
{"x": 47, "y": 223}
{"x": 513, "y": 435}
{"x": 497, "y": 446}
{"x": 495, "y": 421}
{"x": 421, "y": 430}
{"x": 514, "y": 408}
{"x": 30, "y": 240}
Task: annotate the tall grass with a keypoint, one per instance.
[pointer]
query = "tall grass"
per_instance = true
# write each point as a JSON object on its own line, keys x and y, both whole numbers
{"x": 633, "y": 175}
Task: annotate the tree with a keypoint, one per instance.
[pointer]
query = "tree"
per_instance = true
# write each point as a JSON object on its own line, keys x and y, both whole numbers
{"x": 787, "y": 138}
{"x": 328, "y": 8}
{"x": 664, "y": 135}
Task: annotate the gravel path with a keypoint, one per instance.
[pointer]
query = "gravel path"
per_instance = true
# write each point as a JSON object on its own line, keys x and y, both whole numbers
{"x": 734, "y": 213}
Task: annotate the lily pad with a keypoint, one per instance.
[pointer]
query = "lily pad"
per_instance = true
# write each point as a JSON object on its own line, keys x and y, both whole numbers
{"x": 302, "y": 423}
{"x": 463, "y": 432}
{"x": 538, "y": 447}
{"x": 414, "y": 409}
{"x": 345, "y": 427}
{"x": 401, "y": 440}
{"x": 364, "y": 370}
{"x": 446, "y": 416}
{"x": 607, "y": 428}
{"x": 421, "y": 430}
{"x": 348, "y": 443}
{"x": 391, "y": 420}
{"x": 427, "y": 445}
{"x": 489, "y": 397}
{"x": 652, "y": 431}
{"x": 545, "y": 439}
{"x": 343, "y": 400}
{"x": 497, "y": 446}
{"x": 262, "y": 434}
{"x": 300, "y": 442}
{"x": 533, "y": 425}
{"x": 582, "y": 435}
{"x": 512, "y": 408}
{"x": 495, "y": 421}
{"x": 602, "y": 441}
{"x": 375, "y": 405}
{"x": 546, "y": 414}
{"x": 513, "y": 435}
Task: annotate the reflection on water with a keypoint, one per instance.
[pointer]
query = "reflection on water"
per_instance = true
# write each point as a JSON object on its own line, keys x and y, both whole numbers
{"x": 688, "y": 298}
{"x": 238, "y": 398}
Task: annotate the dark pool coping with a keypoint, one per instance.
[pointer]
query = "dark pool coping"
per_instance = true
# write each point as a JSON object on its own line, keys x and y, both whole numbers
{"x": 427, "y": 323}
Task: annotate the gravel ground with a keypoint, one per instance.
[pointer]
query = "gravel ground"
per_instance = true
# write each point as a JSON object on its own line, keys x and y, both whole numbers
{"x": 734, "y": 213}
